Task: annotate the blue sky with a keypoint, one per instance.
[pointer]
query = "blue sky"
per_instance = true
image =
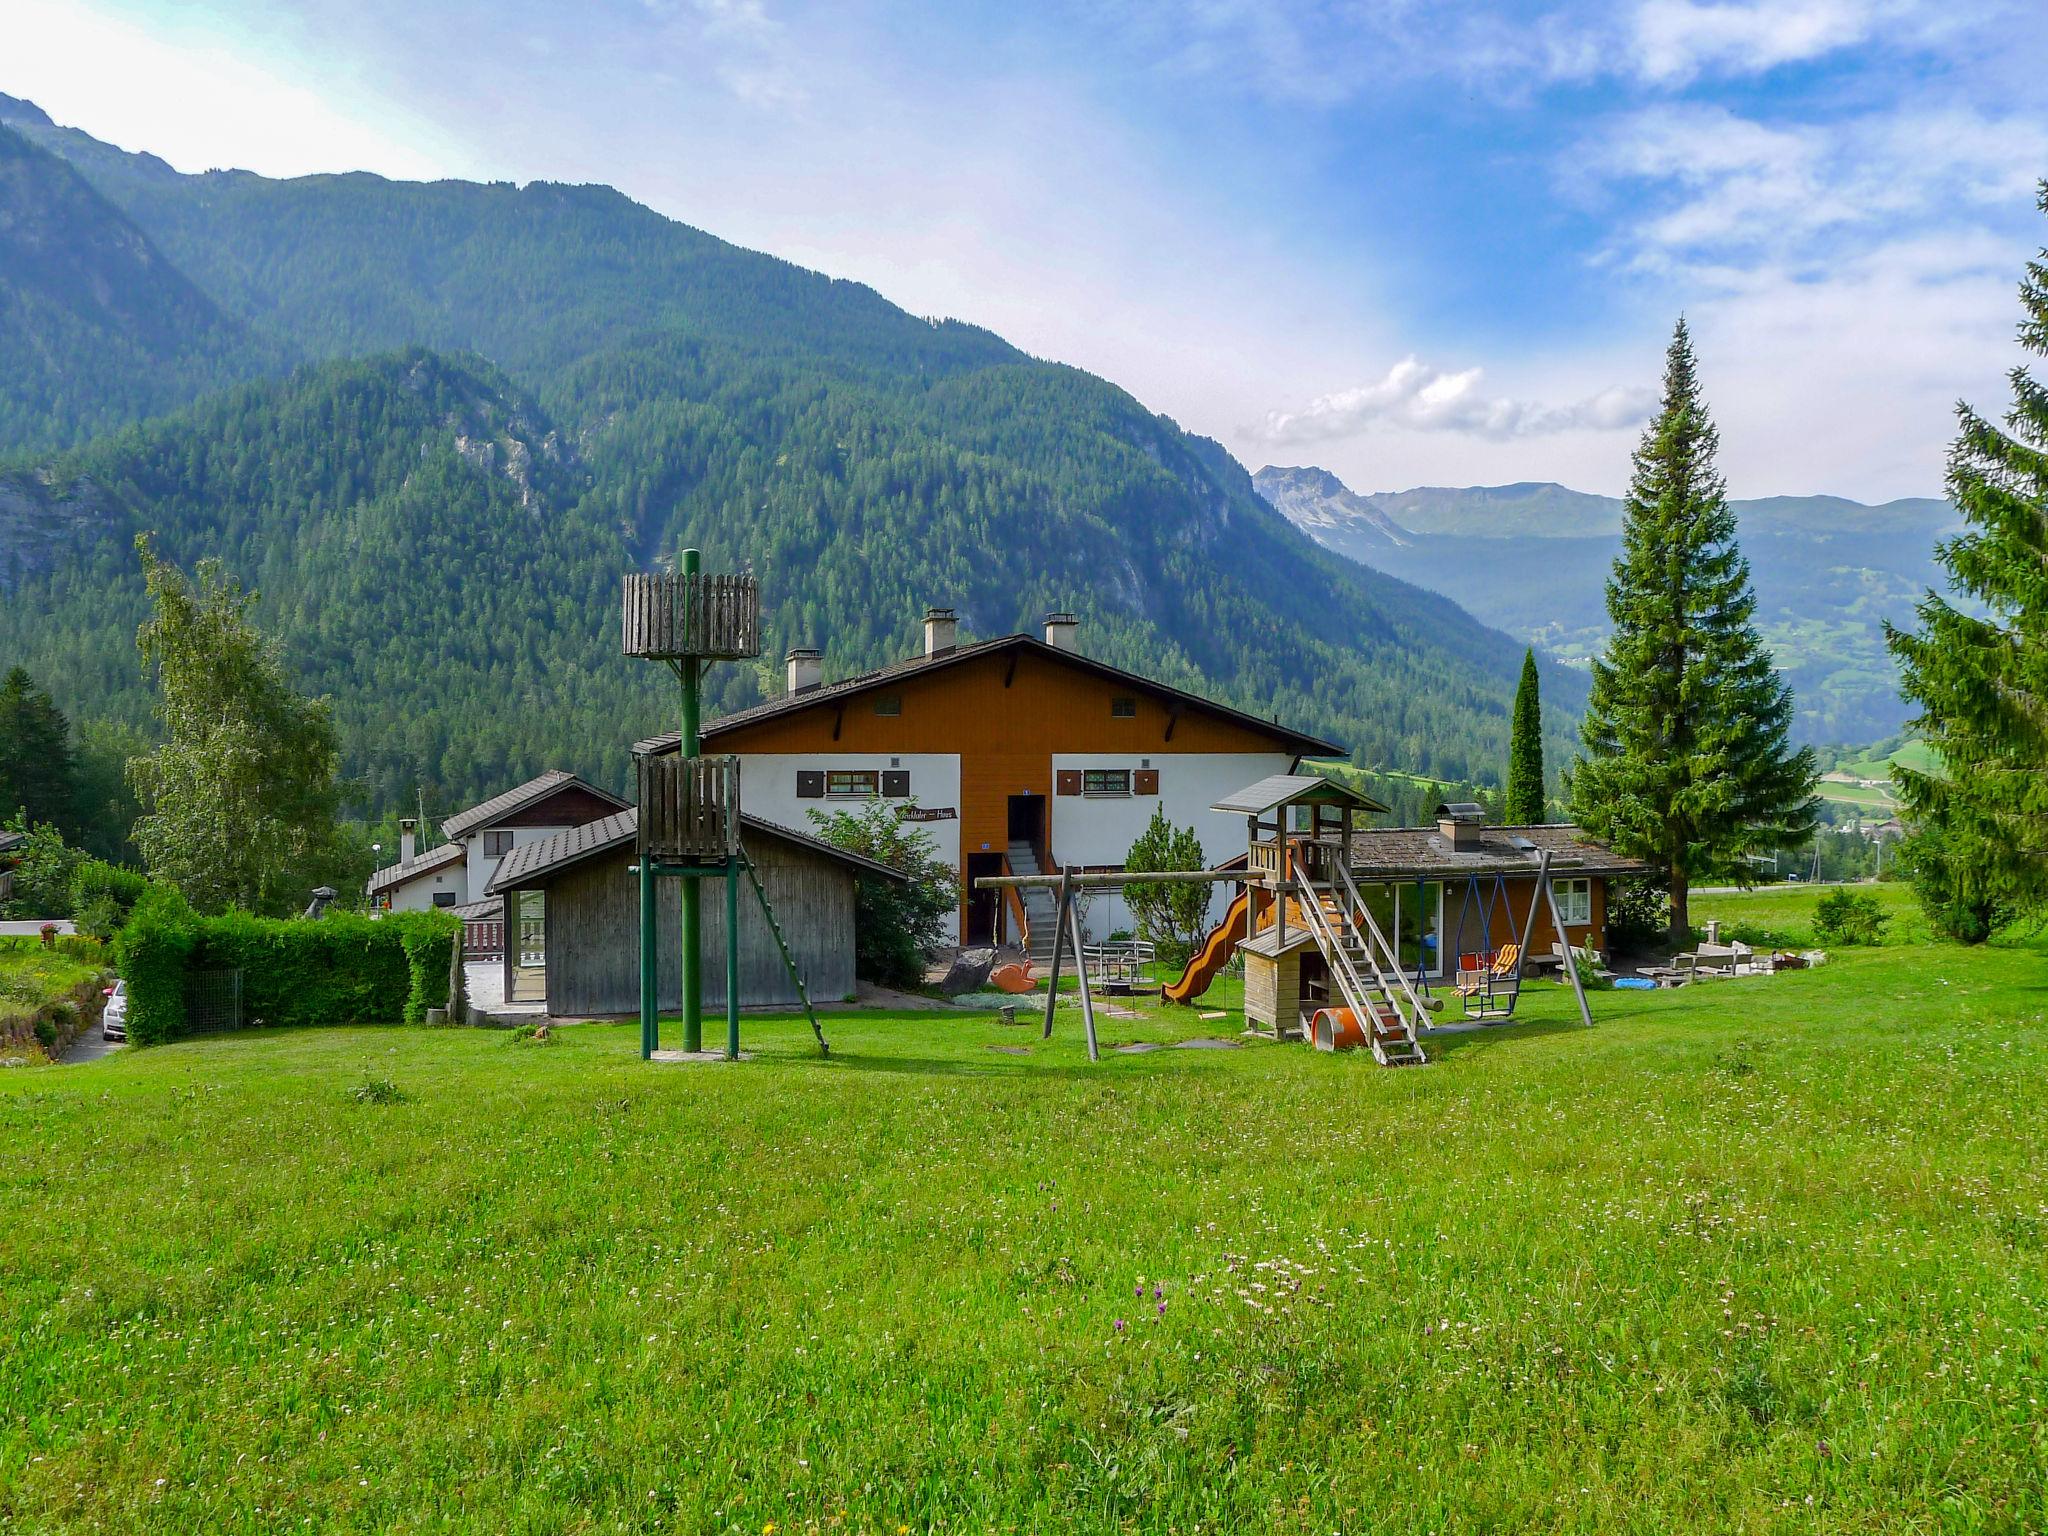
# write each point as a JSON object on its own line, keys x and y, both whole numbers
{"x": 1418, "y": 243}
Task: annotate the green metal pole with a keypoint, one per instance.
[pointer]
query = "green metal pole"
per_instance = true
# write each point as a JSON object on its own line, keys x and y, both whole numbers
{"x": 693, "y": 910}
{"x": 650, "y": 965}
{"x": 732, "y": 960}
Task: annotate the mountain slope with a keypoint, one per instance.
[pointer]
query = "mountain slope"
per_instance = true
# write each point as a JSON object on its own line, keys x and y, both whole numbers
{"x": 96, "y": 327}
{"x": 864, "y": 461}
{"x": 1534, "y": 558}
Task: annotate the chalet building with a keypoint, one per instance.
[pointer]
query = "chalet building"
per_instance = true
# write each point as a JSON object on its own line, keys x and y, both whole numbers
{"x": 458, "y": 872}
{"x": 1018, "y": 754}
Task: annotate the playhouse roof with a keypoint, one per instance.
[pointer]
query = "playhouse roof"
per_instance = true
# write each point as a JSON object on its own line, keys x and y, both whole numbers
{"x": 1285, "y": 789}
{"x": 535, "y": 863}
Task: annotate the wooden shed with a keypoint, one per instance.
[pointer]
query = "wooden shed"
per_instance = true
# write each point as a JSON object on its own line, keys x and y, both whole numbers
{"x": 1284, "y": 981}
{"x": 587, "y": 922}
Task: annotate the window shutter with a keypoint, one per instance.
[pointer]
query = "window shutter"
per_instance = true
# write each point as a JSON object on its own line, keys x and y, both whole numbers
{"x": 1068, "y": 781}
{"x": 810, "y": 784}
{"x": 895, "y": 783}
{"x": 1145, "y": 781}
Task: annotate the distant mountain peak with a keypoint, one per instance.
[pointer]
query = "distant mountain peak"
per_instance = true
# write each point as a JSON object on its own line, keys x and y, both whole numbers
{"x": 1329, "y": 511}
{"x": 14, "y": 110}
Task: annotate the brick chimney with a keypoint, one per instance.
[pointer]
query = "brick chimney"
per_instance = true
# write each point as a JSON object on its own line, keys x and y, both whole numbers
{"x": 941, "y": 631}
{"x": 408, "y": 839}
{"x": 1063, "y": 632}
{"x": 806, "y": 669}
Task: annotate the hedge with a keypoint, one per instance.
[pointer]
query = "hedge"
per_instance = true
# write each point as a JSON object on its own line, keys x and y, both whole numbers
{"x": 337, "y": 969}
{"x": 103, "y": 895}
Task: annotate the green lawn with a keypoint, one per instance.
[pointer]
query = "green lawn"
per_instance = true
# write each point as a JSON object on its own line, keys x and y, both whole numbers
{"x": 1781, "y": 916}
{"x": 33, "y": 976}
{"x": 1754, "y": 1255}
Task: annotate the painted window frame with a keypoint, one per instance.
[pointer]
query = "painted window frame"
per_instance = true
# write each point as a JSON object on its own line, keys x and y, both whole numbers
{"x": 1100, "y": 783}
{"x": 845, "y": 783}
{"x": 497, "y": 842}
{"x": 1574, "y": 900}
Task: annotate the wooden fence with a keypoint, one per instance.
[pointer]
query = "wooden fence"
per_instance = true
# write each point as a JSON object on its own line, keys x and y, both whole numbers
{"x": 483, "y": 938}
{"x": 689, "y": 808}
{"x": 674, "y": 616}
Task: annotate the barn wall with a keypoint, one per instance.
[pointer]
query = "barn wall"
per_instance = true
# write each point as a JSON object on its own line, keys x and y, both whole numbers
{"x": 593, "y": 934}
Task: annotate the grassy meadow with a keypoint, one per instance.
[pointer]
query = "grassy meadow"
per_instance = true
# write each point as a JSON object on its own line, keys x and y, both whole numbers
{"x": 1756, "y": 1255}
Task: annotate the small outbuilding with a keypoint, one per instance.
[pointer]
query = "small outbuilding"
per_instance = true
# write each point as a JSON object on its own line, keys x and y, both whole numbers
{"x": 573, "y": 902}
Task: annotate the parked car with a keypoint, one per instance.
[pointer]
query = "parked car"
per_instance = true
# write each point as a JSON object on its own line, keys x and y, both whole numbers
{"x": 114, "y": 1017}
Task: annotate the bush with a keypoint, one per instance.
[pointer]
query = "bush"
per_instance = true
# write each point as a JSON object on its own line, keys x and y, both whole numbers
{"x": 1950, "y": 880}
{"x": 102, "y": 896}
{"x": 1638, "y": 912}
{"x": 151, "y": 952}
{"x": 1849, "y": 917}
{"x": 894, "y": 922}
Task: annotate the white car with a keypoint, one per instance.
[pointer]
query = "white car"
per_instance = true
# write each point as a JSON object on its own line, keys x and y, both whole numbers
{"x": 114, "y": 1017}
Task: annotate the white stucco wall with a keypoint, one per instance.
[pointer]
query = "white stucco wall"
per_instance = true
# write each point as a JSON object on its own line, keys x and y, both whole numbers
{"x": 417, "y": 894}
{"x": 768, "y": 789}
{"x": 482, "y": 865}
{"x": 1099, "y": 829}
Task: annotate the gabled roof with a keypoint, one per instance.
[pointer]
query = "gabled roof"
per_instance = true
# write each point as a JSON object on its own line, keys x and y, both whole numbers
{"x": 1423, "y": 853}
{"x": 422, "y": 864}
{"x": 549, "y": 856}
{"x": 1284, "y": 789}
{"x": 515, "y": 800}
{"x": 1295, "y": 741}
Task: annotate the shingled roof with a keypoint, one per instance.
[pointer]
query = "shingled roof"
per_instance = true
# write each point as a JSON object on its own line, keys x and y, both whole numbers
{"x": 918, "y": 666}
{"x": 422, "y": 864}
{"x": 1384, "y": 853}
{"x": 515, "y": 800}
{"x": 549, "y": 856}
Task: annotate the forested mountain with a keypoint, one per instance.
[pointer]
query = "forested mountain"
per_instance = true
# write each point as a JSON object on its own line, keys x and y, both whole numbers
{"x": 96, "y": 327}
{"x": 575, "y": 386}
{"x": 1534, "y": 559}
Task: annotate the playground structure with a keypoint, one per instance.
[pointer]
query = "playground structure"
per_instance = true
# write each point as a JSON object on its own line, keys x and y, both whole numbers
{"x": 1318, "y": 964}
{"x": 689, "y": 826}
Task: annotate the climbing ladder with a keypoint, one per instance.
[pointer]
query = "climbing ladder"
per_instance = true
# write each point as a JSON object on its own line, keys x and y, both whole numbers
{"x": 788, "y": 959}
{"x": 1364, "y": 969}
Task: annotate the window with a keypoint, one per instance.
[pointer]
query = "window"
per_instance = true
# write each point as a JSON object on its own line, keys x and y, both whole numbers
{"x": 850, "y": 784}
{"x": 444, "y": 898}
{"x": 1123, "y": 709}
{"x": 1105, "y": 781}
{"x": 497, "y": 844}
{"x": 1574, "y": 901}
{"x": 889, "y": 704}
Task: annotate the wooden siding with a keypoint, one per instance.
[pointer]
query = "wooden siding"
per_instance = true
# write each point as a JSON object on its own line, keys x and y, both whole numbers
{"x": 671, "y": 615}
{"x": 570, "y": 806}
{"x": 593, "y": 934}
{"x": 1272, "y": 990}
{"x": 1005, "y": 722}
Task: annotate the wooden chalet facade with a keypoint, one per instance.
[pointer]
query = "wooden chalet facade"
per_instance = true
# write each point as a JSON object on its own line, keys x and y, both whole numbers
{"x": 1018, "y": 754}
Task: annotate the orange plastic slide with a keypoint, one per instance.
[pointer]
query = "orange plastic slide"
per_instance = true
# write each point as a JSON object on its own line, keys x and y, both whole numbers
{"x": 1214, "y": 954}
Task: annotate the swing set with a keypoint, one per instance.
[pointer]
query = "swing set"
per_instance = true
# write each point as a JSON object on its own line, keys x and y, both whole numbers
{"x": 1488, "y": 980}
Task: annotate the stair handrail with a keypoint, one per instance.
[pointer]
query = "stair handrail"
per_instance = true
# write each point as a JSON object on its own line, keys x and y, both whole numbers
{"x": 1349, "y": 982}
{"x": 1013, "y": 902}
{"x": 1420, "y": 1004}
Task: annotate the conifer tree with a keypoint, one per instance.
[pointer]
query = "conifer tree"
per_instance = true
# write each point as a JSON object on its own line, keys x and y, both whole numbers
{"x": 37, "y": 775}
{"x": 1685, "y": 763}
{"x": 1980, "y": 678}
{"x": 1525, "y": 750}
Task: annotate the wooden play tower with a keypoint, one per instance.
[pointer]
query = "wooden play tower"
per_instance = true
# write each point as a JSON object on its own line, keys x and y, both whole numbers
{"x": 690, "y": 827}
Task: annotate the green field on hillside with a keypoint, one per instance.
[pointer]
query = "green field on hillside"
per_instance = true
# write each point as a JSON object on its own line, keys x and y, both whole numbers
{"x": 1752, "y": 1255}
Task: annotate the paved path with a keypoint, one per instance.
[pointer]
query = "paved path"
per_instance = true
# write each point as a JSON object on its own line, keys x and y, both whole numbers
{"x": 90, "y": 1047}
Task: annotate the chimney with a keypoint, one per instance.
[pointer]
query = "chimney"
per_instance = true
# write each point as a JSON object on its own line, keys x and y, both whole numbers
{"x": 1062, "y": 631}
{"x": 940, "y": 628}
{"x": 408, "y": 839}
{"x": 806, "y": 669}
{"x": 1460, "y": 824}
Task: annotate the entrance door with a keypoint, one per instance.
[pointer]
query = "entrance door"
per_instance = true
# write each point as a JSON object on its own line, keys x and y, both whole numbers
{"x": 1027, "y": 820}
{"x": 982, "y": 906}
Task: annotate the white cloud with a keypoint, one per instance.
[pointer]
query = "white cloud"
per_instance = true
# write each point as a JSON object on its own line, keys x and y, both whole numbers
{"x": 1415, "y": 396}
{"x": 1676, "y": 40}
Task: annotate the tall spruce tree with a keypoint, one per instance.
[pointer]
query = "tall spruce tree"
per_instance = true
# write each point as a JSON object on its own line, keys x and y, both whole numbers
{"x": 37, "y": 773}
{"x": 1686, "y": 764}
{"x": 1981, "y": 679}
{"x": 1525, "y": 750}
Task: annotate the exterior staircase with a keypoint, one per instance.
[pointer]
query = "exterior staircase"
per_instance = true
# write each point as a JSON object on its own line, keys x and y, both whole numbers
{"x": 1365, "y": 973}
{"x": 1041, "y": 906}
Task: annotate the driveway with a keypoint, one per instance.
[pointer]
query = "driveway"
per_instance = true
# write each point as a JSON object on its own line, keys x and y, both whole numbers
{"x": 90, "y": 1047}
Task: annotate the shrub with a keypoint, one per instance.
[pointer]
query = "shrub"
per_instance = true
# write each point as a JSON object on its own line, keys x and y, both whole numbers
{"x": 894, "y": 922}
{"x": 1849, "y": 917}
{"x": 151, "y": 952}
{"x": 430, "y": 940}
{"x": 1638, "y": 912}
{"x": 102, "y": 896}
{"x": 1949, "y": 878}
